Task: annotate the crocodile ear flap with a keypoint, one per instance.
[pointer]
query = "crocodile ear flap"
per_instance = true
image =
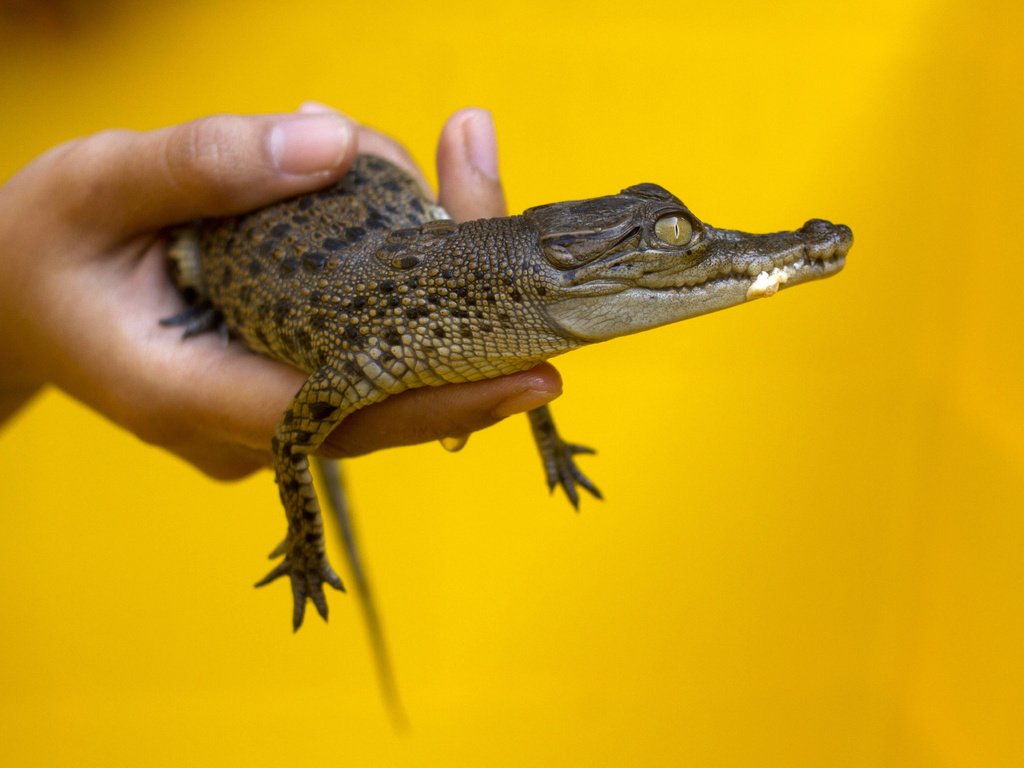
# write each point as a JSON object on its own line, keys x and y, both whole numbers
{"x": 650, "y": 192}
{"x": 568, "y": 250}
{"x": 577, "y": 232}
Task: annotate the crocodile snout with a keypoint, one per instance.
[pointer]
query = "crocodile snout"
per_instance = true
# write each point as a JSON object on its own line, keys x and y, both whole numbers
{"x": 822, "y": 230}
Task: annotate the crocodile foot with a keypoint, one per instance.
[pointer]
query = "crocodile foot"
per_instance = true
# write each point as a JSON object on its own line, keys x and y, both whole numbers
{"x": 196, "y": 319}
{"x": 557, "y": 457}
{"x": 560, "y": 468}
{"x": 308, "y": 571}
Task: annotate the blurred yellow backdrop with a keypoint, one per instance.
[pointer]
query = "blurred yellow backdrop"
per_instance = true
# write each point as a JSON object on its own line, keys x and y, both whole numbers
{"x": 811, "y": 548}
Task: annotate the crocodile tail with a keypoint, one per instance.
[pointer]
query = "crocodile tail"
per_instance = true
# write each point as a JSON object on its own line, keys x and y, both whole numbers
{"x": 330, "y": 475}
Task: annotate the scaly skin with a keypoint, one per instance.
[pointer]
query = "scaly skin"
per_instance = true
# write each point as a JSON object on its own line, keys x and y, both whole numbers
{"x": 371, "y": 290}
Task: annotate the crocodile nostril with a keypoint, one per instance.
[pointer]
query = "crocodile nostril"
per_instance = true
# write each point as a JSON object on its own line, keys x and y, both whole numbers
{"x": 818, "y": 226}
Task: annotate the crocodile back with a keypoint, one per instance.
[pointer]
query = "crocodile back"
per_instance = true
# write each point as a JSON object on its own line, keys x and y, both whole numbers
{"x": 267, "y": 272}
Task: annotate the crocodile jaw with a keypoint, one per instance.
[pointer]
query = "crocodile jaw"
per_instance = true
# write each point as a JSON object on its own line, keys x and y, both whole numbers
{"x": 723, "y": 280}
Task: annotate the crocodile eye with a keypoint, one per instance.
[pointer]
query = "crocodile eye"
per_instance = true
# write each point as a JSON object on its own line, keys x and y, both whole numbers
{"x": 674, "y": 230}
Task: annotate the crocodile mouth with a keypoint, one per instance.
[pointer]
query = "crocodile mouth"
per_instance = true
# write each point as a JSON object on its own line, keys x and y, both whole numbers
{"x": 817, "y": 250}
{"x": 762, "y": 280}
{"x": 800, "y": 271}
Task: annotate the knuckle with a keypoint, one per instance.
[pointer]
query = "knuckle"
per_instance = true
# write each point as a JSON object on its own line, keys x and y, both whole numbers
{"x": 198, "y": 155}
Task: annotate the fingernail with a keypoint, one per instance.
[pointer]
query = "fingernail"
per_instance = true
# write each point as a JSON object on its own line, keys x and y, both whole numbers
{"x": 481, "y": 143}
{"x": 310, "y": 144}
{"x": 524, "y": 401}
{"x": 312, "y": 107}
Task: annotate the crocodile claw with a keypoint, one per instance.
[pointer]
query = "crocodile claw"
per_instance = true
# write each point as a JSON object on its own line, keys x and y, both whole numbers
{"x": 307, "y": 576}
{"x": 557, "y": 456}
{"x": 561, "y": 470}
{"x": 196, "y": 319}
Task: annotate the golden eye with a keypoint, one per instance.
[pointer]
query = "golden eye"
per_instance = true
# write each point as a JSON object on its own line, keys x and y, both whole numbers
{"x": 674, "y": 230}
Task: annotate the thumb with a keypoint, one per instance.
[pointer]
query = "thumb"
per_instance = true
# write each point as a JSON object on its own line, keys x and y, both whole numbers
{"x": 124, "y": 183}
{"x": 467, "y": 167}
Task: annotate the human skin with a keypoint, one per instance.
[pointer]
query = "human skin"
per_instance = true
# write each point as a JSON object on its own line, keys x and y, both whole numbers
{"x": 83, "y": 283}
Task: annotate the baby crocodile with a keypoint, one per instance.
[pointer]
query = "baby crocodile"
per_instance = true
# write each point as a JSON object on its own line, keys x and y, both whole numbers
{"x": 371, "y": 289}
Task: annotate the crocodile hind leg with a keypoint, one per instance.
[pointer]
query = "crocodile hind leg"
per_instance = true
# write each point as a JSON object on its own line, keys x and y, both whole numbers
{"x": 557, "y": 456}
{"x": 320, "y": 405}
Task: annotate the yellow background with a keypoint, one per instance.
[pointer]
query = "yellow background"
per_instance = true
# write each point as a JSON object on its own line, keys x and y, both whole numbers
{"x": 811, "y": 548}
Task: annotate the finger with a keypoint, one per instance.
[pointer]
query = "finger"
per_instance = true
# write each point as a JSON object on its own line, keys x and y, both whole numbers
{"x": 467, "y": 167}
{"x": 124, "y": 183}
{"x": 313, "y": 107}
{"x": 422, "y": 415}
{"x": 373, "y": 142}
{"x": 244, "y": 396}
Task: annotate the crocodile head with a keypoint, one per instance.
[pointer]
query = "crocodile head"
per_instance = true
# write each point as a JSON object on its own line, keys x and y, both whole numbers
{"x": 624, "y": 263}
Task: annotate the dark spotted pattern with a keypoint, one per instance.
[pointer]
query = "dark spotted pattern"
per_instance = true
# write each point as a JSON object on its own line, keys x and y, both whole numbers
{"x": 288, "y": 266}
{"x": 313, "y": 261}
{"x": 321, "y": 411}
{"x": 363, "y": 288}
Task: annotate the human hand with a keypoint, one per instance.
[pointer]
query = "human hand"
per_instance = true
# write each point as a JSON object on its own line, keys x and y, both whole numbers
{"x": 83, "y": 283}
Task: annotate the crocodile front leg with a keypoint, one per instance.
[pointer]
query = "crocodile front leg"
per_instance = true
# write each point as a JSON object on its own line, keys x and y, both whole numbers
{"x": 320, "y": 405}
{"x": 557, "y": 457}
